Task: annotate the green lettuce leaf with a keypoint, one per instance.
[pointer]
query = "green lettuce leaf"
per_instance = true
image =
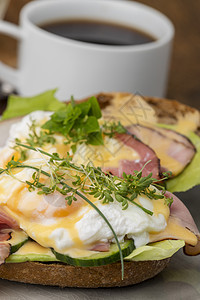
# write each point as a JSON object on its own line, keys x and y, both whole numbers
{"x": 19, "y": 106}
{"x": 156, "y": 251}
{"x": 153, "y": 251}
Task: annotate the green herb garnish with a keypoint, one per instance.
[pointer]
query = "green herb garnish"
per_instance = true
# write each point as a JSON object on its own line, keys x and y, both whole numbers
{"x": 22, "y": 152}
{"x": 40, "y": 139}
{"x": 111, "y": 128}
{"x": 78, "y": 123}
{"x": 105, "y": 187}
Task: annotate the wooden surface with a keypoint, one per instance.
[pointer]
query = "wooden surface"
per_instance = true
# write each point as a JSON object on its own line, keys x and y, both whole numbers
{"x": 184, "y": 72}
{"x": 184, "y": 81}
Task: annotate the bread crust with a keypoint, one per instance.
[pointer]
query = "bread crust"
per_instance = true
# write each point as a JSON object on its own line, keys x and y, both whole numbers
{"x": 62, "y": 275}
{"x": 165, "y": 108}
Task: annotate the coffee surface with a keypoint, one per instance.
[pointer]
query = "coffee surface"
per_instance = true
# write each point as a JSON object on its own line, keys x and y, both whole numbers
{"x": 97, "y": 32}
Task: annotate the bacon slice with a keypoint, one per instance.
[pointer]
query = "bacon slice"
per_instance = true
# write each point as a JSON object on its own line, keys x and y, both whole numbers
{"x": 173, "y": 149}
{"x": 7, "y": 224}
{"x": 146, "y": 155}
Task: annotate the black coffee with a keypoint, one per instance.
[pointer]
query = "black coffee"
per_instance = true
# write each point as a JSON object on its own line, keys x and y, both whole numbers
{"x": 98, "y": 32}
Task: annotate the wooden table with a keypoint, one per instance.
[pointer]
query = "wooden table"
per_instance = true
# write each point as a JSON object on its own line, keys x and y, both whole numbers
{"x": 185, "y": 71}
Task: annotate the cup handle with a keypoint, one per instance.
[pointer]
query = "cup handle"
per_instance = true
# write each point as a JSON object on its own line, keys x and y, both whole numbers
{"x": 9, "y": 74}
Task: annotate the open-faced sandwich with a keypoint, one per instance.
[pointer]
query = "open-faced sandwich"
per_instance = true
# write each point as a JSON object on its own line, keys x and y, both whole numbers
{"x": 85, "y": 194}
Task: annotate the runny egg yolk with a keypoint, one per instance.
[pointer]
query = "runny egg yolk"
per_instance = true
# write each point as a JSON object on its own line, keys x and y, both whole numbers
{"x": 39, "y": 216}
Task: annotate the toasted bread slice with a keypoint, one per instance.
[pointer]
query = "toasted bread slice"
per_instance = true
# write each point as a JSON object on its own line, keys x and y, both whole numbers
{"x": 63, "y": 275}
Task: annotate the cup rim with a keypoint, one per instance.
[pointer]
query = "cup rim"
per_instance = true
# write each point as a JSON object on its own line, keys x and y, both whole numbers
{"x": 29, "y": 7}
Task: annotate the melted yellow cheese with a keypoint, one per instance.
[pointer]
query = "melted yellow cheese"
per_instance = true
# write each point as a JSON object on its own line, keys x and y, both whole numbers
{"x": 31, "y": 247}
{"x": 161, "y": 148}
{"x": 58, "y": 147}
{"x": 160, "y": 208}
{"x": 30, "y": 209}
{"x": 174, "y": 231}
{"x": 45, "y": 231}
{"x": 129, "y": 109}
{"x": 189, "y": 122}
{"x": 107, "y": 155}
{"x": 62, "y": 149}
{"x": 165, "y": 159}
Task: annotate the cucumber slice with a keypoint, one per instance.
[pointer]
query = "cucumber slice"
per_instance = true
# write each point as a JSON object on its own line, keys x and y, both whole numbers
{"x": 31, "y": 251}
{"x": 17, "y": 240}
{"x": 98, "y": 258}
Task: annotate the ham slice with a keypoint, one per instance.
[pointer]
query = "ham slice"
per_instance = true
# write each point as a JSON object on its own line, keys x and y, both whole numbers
{"x": 173, "y": 149}
{"x": 4, "y": 252}
{"x": 179, "y": 211}
{"x": 6, "y": 221}
{"x": 180, "y": 218}
{"x": 193, "y": 250}
{"x": 4, "y": 236}
{"x": 101, "y": 247}
{"x": 175, "y": 136}
{"x": 7, "y": 224}
{"x": 129, "y": 166}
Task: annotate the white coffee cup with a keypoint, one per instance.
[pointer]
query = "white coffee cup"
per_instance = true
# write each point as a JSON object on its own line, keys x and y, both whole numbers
{"x": 47, "y": 61}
